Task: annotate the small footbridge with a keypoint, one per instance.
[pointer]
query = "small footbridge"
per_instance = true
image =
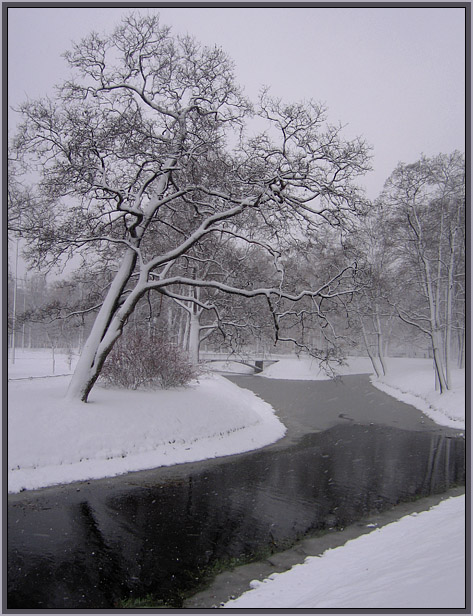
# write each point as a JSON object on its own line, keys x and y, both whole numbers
{"x": 256, "y": 363}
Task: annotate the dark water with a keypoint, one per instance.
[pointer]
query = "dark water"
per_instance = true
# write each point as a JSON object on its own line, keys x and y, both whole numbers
{"x": 89, "y": 549}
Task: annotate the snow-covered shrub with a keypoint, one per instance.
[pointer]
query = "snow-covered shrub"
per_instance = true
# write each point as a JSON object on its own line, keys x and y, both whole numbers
{"x": 142, "y": 360}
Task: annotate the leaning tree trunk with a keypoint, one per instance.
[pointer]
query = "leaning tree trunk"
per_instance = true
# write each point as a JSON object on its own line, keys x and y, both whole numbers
{"x": 91, "y": 360}
{"x": 111, "y": 318}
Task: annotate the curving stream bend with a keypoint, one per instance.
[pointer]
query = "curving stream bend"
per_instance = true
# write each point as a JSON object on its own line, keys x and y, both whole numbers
{"x": 350, "y": 452}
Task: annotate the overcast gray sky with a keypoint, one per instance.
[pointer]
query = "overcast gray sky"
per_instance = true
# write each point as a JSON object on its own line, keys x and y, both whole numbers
{"x": 395, "y": 76}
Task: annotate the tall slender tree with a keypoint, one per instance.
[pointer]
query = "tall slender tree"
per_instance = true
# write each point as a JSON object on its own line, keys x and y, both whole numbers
{"x": 427, "y": 201}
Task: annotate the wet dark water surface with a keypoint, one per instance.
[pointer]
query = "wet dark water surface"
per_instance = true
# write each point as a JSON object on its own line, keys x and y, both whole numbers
{"x": 163, "y": 531}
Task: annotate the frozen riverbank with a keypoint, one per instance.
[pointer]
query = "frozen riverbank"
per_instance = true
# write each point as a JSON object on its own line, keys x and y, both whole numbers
{"x": 410, "y": 380}
{"x": 132, "y": 430}
{"x": 417, "y": 562}
{"x": 51, "y": 441}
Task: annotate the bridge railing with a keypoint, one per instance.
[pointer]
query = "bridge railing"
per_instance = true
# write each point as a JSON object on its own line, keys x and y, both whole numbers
{"x": 257, "y": 364}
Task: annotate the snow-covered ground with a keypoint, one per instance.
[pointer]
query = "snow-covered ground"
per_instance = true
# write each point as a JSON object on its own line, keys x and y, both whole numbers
{"x": 412, "y": 381}
{"x": 52, "y": 441}
{"x": 417, "y": 562}
{"x": 417, "y": 559}
{"x": 307, "y": 369}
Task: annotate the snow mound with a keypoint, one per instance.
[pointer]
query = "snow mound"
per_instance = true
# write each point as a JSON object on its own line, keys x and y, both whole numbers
{"x": 53, "y": 441}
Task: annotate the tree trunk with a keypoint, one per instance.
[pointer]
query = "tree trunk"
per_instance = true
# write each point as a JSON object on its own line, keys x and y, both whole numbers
{"x": 449, "y": 300}
{"x": 379, "y": 336}
{"x": 368, "y": 350}
{"x": 194, "y": 338}
{"x": 187, "y": 324}
{"x": 435, "y": 333}
{"x": 89, "y": 364}
{"x": 461, "y": 349}
{"x": 181, "y": 319}
{"x": 438, "y": 361}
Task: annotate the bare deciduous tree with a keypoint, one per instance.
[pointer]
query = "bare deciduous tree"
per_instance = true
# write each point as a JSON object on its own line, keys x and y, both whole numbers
{"x": 137, "y": 171}
{"x": 428, "y": 217}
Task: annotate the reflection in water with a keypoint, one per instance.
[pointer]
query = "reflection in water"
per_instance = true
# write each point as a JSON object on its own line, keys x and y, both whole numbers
{"x": 162, "y": 539}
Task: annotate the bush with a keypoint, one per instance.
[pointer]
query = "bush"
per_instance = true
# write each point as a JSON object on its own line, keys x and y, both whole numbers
{"x": 150, "y": 361}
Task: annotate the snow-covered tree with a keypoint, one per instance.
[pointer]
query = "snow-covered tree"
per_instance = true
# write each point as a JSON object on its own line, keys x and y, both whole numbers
{"x": 142, "y": 157}
{"x": 427, "y": 220}
{"x": 370, "y": 312}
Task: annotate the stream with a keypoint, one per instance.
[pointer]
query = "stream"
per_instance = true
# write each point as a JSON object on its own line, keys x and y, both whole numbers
{"x": 166, "y": 532}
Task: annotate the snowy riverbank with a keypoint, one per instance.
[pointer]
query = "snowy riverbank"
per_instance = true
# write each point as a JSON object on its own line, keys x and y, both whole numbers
{"x": 409, "y": 380}
{"x": 417, "y": 562}
{"x": 51, "y": 441}
{"x": 412, "y": 381}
